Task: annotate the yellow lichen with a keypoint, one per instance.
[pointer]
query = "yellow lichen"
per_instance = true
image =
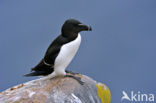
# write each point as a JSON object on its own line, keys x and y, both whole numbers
{"x": 17, "y": 102}
{"x": 103, "y": 93}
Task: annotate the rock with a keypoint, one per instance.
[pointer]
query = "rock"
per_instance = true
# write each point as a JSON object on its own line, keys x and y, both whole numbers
{"x": 57, "y": 90}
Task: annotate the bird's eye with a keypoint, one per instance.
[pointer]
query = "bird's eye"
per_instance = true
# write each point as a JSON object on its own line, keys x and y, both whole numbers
{"x": 75, "y": 24}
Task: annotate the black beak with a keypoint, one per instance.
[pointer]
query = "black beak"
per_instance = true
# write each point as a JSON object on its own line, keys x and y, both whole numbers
{"x": 85, "y": 27}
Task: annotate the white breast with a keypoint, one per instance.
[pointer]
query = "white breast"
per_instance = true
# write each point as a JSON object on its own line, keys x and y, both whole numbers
{"x": 66, "y": 54}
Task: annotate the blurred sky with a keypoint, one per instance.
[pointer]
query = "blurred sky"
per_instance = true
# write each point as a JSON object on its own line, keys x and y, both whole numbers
{"x": 120, "y": 51}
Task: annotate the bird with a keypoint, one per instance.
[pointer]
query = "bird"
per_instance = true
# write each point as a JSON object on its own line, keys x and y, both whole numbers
{"x": 61, "y": 51}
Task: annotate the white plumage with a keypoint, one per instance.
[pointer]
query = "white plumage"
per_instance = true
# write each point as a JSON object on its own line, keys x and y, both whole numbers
{"x": 66, "y": 54}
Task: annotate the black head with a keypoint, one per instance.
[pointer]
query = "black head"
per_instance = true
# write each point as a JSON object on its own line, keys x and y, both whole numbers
{"x": 72, "y": 26}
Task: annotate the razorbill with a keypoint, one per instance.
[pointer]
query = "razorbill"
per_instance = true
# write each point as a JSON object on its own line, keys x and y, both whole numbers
{"x": 61, "y": 51}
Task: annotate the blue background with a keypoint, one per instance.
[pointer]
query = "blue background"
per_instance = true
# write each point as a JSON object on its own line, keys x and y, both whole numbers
{"x": 120, "y": 51}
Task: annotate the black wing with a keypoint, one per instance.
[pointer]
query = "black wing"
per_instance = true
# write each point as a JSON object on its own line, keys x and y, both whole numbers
{"x": 54, "y": 49}
{"x": 45, "y": 66}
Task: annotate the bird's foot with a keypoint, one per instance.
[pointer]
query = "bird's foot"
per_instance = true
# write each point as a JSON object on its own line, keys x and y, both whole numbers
{"x": 68, "y": 71}
{"x": 78, "y": 79}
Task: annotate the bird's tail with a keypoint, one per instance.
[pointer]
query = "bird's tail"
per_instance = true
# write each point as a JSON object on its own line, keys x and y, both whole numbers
{"x": 36, "y": 73}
